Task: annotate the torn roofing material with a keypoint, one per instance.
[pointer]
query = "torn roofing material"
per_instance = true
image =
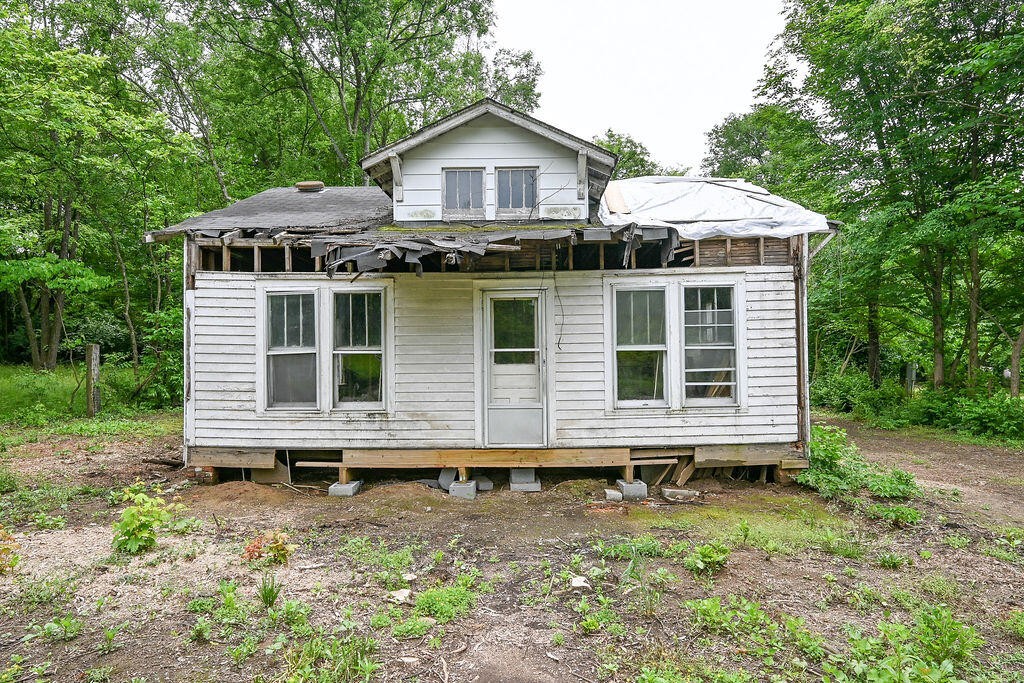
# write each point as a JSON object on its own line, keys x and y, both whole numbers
{"x": 345, "y": 209}
{"x": 699, "y": 208}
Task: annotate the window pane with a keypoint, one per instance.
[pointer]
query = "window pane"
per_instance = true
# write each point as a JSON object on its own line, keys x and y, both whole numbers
{"x": 503, "y": 189}
{"x": 342, "y": 320}
{"x": 292, "y": 379}
{"x": 640, "y": 317}
{"x": 357, "y": 377}
{"x": 357, "y": 320}
{"x": 477, "y": 189}
{"x": 463, "y": 178}
{"x": 718, "y": 359}
{"x": 640, "y": 375}
{"x": 709, "y": 391}
{"x": 514, "y": 323}
{"x": 709, "y": 335}
{"x": 292, "y": 321}
{"x": 375, "y": 319}
{"x": 276, "y": 305}
{"x": 515, "y": 357}
{"x": 710, "y": 376}
{"x": 517, "y": 189}
{"x": 530, "y": 188}
{"x": 308, "y": 314}
{"x": 451, "y": 187}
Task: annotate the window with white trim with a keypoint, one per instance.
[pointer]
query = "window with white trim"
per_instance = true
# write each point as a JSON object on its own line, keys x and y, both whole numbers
{"x": 358, "y": 355}
{"x": 464, "y": 193}
{"x": 709, "y": 343}
{"x": 641, "y": 349}
{"x": 516, "y": 190}
{"x": 291, "y": 350}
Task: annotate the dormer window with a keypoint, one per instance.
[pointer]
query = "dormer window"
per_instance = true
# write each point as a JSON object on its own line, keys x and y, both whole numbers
{"x": 516, "y": 191}
{"x": 463, "y": 193}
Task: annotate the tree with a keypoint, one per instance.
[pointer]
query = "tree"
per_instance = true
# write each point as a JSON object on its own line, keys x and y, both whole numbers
{"x": 635, "y": 159}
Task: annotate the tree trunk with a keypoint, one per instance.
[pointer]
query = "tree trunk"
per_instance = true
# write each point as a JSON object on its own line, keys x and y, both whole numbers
{"x": 974, "y": 293}
{"x": 30, "y": 329}
{"x": 1015, "y": 354}
{"x": 874, "y": 342}
{"x": 936, "y": 270}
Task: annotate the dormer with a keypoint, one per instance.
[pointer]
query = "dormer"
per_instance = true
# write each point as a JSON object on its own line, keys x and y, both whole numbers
{"x": 488, "y": 162}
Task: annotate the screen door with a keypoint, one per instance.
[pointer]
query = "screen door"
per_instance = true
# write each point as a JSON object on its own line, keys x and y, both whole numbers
{"x": 514, "y": 385}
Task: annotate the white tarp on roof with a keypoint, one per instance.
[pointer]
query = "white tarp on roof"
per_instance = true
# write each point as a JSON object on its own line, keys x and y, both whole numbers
{"x": 699, "y": 208}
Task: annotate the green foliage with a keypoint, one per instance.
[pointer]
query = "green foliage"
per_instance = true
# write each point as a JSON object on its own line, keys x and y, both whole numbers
{"x": 1014, "y": 624}
{"x": 838, "y": 470}
{"x": 268, "y": 547}
{"x": 66, "y": 627}
{"x": 269, "y": 590}
{"x": 707, "y": 559}
{"x": 998, "y": 415}
{"x": 326, "y": 658}
{"x": 635, "y": 159}
{"x": 446, "y": 603}
{"x": 9, "y": 557}
{"x": 390, "y": 565}
{"x": 413, "y": 627}
{"x": 136, "y": 531}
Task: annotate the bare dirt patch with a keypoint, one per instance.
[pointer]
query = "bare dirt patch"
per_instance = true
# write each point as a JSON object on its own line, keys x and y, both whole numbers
{"x": 526, "y": 622}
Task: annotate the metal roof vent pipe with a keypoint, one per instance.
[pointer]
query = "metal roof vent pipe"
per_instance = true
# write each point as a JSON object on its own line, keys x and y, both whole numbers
{"x": 310, "y": 186}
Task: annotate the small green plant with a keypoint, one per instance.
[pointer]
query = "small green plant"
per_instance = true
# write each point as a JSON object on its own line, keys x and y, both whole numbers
{"x": 269, "y": 591}
{"x": 245, "y": 649}
{"x": 45, "y": 521}
{"x": 558, "y": 639}
{"x": 202, "y": 631}
{"x": 391, "y": 565}
{"x": 328, "y": 658}
{"x": 448, "y": 602}
{"x": 413, "y": 627}
{"x": 897, "y": 515}
{"x": 9, "y": 557}
{"x": 707, "y": 559}
{"x": 136, "y": 531}
{"x": 66, "y": 627}
{"x": 99, "y": 675}
{"x": 1014, "y": 624}
{"x": 269, "y": 547}
{"x": 939, "y": 587}
{"x": 109, "y": 643}
{"x": 957, "y": 541}
{"x": 892, "y": 560}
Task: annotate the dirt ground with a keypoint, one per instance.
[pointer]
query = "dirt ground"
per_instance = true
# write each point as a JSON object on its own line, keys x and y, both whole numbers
{"x": 520, "y": 553}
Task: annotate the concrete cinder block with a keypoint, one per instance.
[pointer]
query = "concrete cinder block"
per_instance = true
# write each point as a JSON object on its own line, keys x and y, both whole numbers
{"x": 529, "y": 486}
{"x": 344, "y": 490}
{"x": 447, "y": 476}
{"x": 483, "y": 483}
{"x": 463, "y": 489}
{"x": 632, "y": 491}
{"x": 522, "y": 475}
{"x": 613, "y": 495}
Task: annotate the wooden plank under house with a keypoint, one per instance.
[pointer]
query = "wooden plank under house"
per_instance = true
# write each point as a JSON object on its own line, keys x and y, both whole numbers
{"x": 494, "y": 303}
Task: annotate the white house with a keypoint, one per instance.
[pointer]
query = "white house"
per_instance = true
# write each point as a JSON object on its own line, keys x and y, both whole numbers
{"x": 497, "y": 303}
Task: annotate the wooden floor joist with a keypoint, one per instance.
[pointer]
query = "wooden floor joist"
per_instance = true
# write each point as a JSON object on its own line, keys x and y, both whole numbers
{"x": 486, "y": 457}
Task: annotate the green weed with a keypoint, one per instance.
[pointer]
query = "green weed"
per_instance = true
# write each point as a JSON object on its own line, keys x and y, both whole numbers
{"x": 707, "y": 559}
{"x": 448, "y": 602}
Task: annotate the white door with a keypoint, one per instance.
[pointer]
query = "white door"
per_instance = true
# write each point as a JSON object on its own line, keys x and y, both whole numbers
{"x": 514, "y": 391}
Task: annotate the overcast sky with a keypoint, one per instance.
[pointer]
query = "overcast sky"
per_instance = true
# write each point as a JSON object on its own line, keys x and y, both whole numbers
{"x": 664, "y": 72}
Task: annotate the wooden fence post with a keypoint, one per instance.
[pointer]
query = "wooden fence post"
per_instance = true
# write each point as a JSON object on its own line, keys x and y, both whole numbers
{"x": 92, "y": 379}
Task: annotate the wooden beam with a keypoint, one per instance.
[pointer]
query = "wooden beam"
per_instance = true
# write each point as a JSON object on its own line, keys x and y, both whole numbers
{"x": 581, "y": 174}
{"x": 225, "y": 258}
{"x": 257, "y": 266}
{"x": 203, "y": 456}
{"x": 287, "y": 258}
{"x": 684, "y": 471}
{"x": 696, "y": 253}
{"x": 760, "y": 251}
{"x": 728, "y": 251}
{"x": 396, "y": 178}
{"x": 486, "y": 457}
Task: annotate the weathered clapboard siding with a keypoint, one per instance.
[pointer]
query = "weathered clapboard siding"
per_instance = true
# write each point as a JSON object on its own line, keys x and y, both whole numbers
{"x": 434, "y": 393}
{"x": 489, "y": 142}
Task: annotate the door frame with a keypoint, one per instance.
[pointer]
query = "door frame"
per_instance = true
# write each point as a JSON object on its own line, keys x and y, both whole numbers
{"x": 484, "y": 291}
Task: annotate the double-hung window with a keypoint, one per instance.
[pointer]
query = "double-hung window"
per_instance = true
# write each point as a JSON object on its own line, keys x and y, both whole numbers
{"x": 463, "y": 193}
{"x": 641, "y": 349}
{"x": 358, "y": 349}
{"x": 516, "y": 190}
{"x": 709, "y": 341}
{"x": 291, "y": 350}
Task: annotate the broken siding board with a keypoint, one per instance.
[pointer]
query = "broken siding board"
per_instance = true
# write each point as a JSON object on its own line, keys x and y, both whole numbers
{"x": 740, "y": 455}
{"x": 200, "y": 456}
